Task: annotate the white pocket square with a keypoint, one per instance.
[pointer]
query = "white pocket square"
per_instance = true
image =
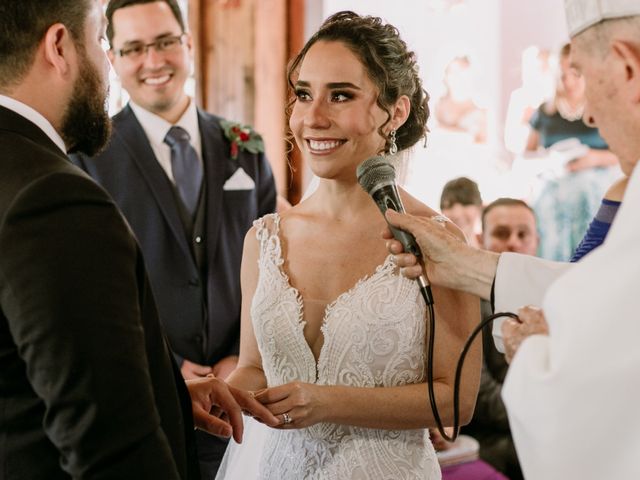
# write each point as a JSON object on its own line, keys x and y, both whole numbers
{"x": 239, "y": 181}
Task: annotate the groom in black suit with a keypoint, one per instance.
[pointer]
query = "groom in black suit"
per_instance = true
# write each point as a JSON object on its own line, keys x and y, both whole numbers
{"x": 88, "y": 387}
{"x": 189, "y": 205}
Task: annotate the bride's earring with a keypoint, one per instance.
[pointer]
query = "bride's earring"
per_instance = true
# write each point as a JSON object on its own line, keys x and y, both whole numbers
{"x": 393, "y": 147}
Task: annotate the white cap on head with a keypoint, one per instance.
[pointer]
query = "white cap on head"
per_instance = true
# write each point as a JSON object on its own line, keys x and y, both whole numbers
{"x": 582, "y": 14}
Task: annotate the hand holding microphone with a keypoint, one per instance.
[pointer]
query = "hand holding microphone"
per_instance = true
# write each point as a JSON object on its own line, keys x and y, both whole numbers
{"x": 377, "y": 177}
{"x": 450, "y": 262}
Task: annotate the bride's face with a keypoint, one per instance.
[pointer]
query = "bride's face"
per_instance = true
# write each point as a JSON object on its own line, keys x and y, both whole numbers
{"x": 335, "y": 118}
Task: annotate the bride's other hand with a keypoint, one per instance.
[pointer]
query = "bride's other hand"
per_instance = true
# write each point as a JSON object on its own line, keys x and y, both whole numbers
{"x": 296, "y": 404}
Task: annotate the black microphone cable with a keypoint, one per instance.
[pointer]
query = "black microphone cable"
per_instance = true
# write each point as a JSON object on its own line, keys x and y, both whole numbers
{"x": 377, "y": 177}
{"x": 428, "y": 298}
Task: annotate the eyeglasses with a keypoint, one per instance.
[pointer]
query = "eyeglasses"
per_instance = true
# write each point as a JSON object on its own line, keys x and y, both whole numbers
{"x": 136, "y": 51}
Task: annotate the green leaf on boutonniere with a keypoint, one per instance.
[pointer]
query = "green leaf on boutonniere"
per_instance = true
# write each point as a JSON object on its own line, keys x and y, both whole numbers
{"x": 242, "y": 137}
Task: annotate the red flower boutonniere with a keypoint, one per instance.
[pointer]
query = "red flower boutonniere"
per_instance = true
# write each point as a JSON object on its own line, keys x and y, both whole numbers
{"x": 242, "y": 137}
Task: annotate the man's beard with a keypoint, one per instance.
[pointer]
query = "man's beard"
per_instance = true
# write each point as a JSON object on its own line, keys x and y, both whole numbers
{"x": 86, "y": 126}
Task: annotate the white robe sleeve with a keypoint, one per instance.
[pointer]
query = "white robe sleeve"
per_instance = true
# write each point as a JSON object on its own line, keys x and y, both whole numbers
{"x": 521, "y": 280}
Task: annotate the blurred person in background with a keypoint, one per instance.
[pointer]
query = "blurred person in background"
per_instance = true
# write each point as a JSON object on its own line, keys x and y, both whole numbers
{"x": 567, "y": 204}
{"x": 457, "y": 110}
{"x": 509, "y": 225}
{"x": 461, "y": 202}
{"x": 537, "y": 86}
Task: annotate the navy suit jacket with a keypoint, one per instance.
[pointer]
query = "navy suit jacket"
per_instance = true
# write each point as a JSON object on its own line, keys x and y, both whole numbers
{"x": 199, "y": 305}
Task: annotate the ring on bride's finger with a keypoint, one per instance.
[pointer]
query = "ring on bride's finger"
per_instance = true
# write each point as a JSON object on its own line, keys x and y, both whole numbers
{"x": 441, "y": 219}
{"x": 286, "y": 418}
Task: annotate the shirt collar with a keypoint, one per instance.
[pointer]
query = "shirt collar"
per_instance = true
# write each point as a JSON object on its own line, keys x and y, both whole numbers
{"x": 157, "y": 127}
{"x": 35, "y": 117}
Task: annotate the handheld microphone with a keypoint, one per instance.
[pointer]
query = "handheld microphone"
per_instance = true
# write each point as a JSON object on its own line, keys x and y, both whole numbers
{"x": 377, "y": 177}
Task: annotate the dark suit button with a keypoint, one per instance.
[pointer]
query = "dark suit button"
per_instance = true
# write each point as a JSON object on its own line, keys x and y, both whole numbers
{"x": 194, "y": 282}
{"x": 198, "y": 339}
{"x": 198, "y": 239}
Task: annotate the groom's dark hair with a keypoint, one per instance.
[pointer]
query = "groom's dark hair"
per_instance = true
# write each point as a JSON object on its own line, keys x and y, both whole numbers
{"x": 23, "y": 24}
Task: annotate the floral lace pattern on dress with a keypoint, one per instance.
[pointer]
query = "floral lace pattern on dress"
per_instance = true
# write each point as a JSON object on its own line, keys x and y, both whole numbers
{"x": 374, "y": 336}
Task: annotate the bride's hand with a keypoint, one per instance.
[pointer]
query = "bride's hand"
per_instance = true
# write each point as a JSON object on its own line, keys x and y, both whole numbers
{"x": 296, "y": 404}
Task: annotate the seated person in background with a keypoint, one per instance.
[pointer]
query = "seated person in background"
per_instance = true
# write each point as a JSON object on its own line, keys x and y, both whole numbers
{"x": 461, "y": 202}
{"x": 567, "y": 204}
{"x": 508, "y": 225}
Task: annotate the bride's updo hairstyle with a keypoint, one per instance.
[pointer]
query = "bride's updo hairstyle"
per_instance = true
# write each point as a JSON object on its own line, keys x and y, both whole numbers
{"x": 389, "y": 63}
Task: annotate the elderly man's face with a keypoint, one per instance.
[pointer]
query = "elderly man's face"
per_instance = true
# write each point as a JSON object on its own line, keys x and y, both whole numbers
{"x": 607, "y": 105}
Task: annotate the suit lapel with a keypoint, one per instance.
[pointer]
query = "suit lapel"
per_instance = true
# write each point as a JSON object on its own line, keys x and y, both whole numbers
{"x": 132, "y": 135}
{"x": 14, "y": 122}
{"x": 215, "y": 155}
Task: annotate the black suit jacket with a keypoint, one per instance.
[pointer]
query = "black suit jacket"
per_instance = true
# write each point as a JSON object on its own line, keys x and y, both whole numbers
{"x": 88, "y": 388}
{"x": 199, "y": 305}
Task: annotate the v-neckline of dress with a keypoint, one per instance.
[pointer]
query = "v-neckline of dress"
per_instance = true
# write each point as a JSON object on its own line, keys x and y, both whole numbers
{"x": 308, "y": 351}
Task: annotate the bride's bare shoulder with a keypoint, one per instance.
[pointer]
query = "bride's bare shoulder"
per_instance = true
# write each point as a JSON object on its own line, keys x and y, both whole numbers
{"x": 415, "y": 207}
{"x": 296, "y": 220}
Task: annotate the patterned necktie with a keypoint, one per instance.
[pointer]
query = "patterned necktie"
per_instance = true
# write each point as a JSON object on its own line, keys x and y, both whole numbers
{"x": 186, "y": 167}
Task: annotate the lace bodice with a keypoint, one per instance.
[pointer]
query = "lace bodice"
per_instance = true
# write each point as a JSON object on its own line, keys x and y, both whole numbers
{"x": 374, "y": 336}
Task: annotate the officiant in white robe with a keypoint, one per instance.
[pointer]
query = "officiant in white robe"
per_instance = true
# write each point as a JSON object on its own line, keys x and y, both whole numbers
{"x": 572, "y": 394}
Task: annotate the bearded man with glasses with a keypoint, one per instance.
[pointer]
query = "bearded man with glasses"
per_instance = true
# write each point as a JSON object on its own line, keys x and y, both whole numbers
{"x": 188, "y": 195}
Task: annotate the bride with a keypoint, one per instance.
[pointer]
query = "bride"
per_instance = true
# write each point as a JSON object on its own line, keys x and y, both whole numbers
{"x": 333, "y": 338}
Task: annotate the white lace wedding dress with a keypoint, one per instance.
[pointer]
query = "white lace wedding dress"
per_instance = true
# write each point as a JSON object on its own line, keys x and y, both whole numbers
{"x": 374, "y": 336}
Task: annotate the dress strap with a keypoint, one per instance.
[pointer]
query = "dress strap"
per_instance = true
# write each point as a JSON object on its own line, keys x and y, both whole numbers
{"x": 267, "y": 226}
{"x": 267, "y": 233}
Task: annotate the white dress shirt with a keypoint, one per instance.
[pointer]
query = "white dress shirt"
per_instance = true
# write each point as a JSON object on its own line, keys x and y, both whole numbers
{"x": 156, "y": 129}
